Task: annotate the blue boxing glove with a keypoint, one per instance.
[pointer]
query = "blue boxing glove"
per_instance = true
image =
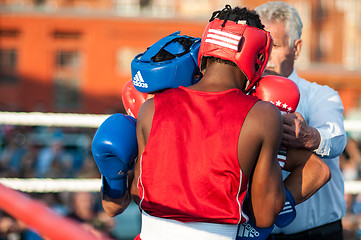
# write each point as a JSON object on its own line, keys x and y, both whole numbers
{"x": 115, "y": 149}
{"x": 288, "y": 213}
{"x": 249, "y": 230}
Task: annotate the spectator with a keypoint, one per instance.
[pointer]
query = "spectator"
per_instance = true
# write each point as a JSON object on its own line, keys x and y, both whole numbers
{"x": 83, "y": 210}
{"x": 13, "y": 153}
{"x": 53, "y": 160}
{"x": 350, "y": 160}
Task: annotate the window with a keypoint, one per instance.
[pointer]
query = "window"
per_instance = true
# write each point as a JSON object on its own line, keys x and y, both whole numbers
{"x": 8, "y": 65}
{"x": 61, "y": 35}
{"x": 38, "y": 3}
{"x": 9, "y": 33}
{"x": 67, "y": 59}
{"x": 67, "y": 80}
{"x": 124, "y": 57}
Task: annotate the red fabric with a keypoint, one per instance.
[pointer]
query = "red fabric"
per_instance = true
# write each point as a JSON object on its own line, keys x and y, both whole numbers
{"x": 189, "y": 169}
{"x": 137, "y": 237}
{"x": 44, "y": 220}
{"x": 248, "y": 44}
{"x": 280, "y": 91}
{"x": 132, "y": 99}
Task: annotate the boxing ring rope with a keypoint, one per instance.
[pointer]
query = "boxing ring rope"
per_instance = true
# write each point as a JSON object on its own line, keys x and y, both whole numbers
{"x": 36, "y": 185}
{"x": 87, "y": 120}
{"x": 52, "y": 119}
{"x": 40, "y": 217}
{"x": 44, "y": 185}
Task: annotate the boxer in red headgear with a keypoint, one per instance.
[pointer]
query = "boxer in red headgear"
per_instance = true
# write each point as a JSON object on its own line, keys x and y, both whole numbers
{"x": 241, "y": 43}
{"x": 200, "y": 146}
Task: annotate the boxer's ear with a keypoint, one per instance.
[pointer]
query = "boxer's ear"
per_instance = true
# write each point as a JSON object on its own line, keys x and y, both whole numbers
{"x": 297, "y": 47}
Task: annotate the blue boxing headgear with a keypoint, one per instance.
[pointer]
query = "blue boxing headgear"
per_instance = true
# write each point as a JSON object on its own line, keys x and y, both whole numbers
{"x": 169, "y": 63}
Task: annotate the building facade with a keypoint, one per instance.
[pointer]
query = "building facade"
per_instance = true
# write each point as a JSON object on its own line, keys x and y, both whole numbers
{"x": 75, "y": 55}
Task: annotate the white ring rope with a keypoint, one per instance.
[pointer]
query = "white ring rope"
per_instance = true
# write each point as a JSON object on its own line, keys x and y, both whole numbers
{"x": 44, "y": 185}
{"x": 88, "y": 120}
{"x": 47, "y": 185}
{"x": 52, "y": 119}
{"x": 352, "y": 125}
{"x": 353, "y": 187}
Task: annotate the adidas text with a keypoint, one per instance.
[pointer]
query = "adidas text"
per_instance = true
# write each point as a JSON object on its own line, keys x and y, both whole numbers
{"x": 246, "y": 230}
{"x": 138, "y": 81}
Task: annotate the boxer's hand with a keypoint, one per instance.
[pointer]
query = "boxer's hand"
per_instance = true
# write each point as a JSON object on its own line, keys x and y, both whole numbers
{"x": 114, "y": 148}
{"x": 297, "y": 134}
{"x": 132, "y": 99}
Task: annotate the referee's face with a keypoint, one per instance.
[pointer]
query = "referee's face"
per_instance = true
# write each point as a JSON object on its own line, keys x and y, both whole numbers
{"x": 283, "y": 54}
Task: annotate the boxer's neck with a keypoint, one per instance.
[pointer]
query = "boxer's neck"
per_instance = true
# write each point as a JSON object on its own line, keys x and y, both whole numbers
{"x": 220, "y": 77}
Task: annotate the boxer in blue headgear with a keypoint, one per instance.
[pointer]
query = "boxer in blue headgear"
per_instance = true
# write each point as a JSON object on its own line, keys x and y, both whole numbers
{"x": 168, "y": 63}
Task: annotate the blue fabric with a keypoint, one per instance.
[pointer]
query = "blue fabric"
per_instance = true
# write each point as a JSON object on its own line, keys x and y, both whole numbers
{"x": 151, "y": 76}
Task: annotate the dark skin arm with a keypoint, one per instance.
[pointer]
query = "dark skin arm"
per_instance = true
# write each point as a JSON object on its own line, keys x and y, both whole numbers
{"x": 308, "y": 173}
{"x": 259, "y": 142}
{"x": 144, "y": 124}
{"x": 114, "y": 206}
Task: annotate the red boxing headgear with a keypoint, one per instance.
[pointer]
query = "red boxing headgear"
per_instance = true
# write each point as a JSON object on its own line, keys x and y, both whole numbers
{"x": 248, "y": 47}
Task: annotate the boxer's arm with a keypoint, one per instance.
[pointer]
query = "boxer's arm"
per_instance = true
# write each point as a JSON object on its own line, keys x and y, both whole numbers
{"x": 115, "y": 206}
{"x": 261, "y": 133}
{"x": 308, "y": 173}
{"x": 144, "y": 124}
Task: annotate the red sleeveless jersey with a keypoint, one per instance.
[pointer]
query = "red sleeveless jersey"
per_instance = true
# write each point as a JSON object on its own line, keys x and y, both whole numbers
{"x": 189, "y": 169}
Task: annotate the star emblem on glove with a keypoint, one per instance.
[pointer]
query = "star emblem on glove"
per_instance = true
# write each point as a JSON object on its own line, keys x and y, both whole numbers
{"x": 279, "y": 103}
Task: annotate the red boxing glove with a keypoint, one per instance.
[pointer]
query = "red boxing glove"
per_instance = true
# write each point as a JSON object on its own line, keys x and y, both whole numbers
{"x": 278, "y": 90}
{"x": 283, "y": 93}
{"x": 132, "y": 99}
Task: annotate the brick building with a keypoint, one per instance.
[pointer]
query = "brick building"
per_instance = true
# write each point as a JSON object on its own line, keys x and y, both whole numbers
{"x": 74, "y": 55}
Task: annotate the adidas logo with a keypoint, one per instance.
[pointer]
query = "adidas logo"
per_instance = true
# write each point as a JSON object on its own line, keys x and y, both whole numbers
{"x": 246, "y": 230}
{"x": 223, "y": 39}
{"x": 287, "y": 208}
{"x": 139, "y": 81}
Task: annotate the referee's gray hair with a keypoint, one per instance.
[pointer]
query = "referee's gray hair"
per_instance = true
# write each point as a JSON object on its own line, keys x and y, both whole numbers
{"x": 278, "y": 11}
